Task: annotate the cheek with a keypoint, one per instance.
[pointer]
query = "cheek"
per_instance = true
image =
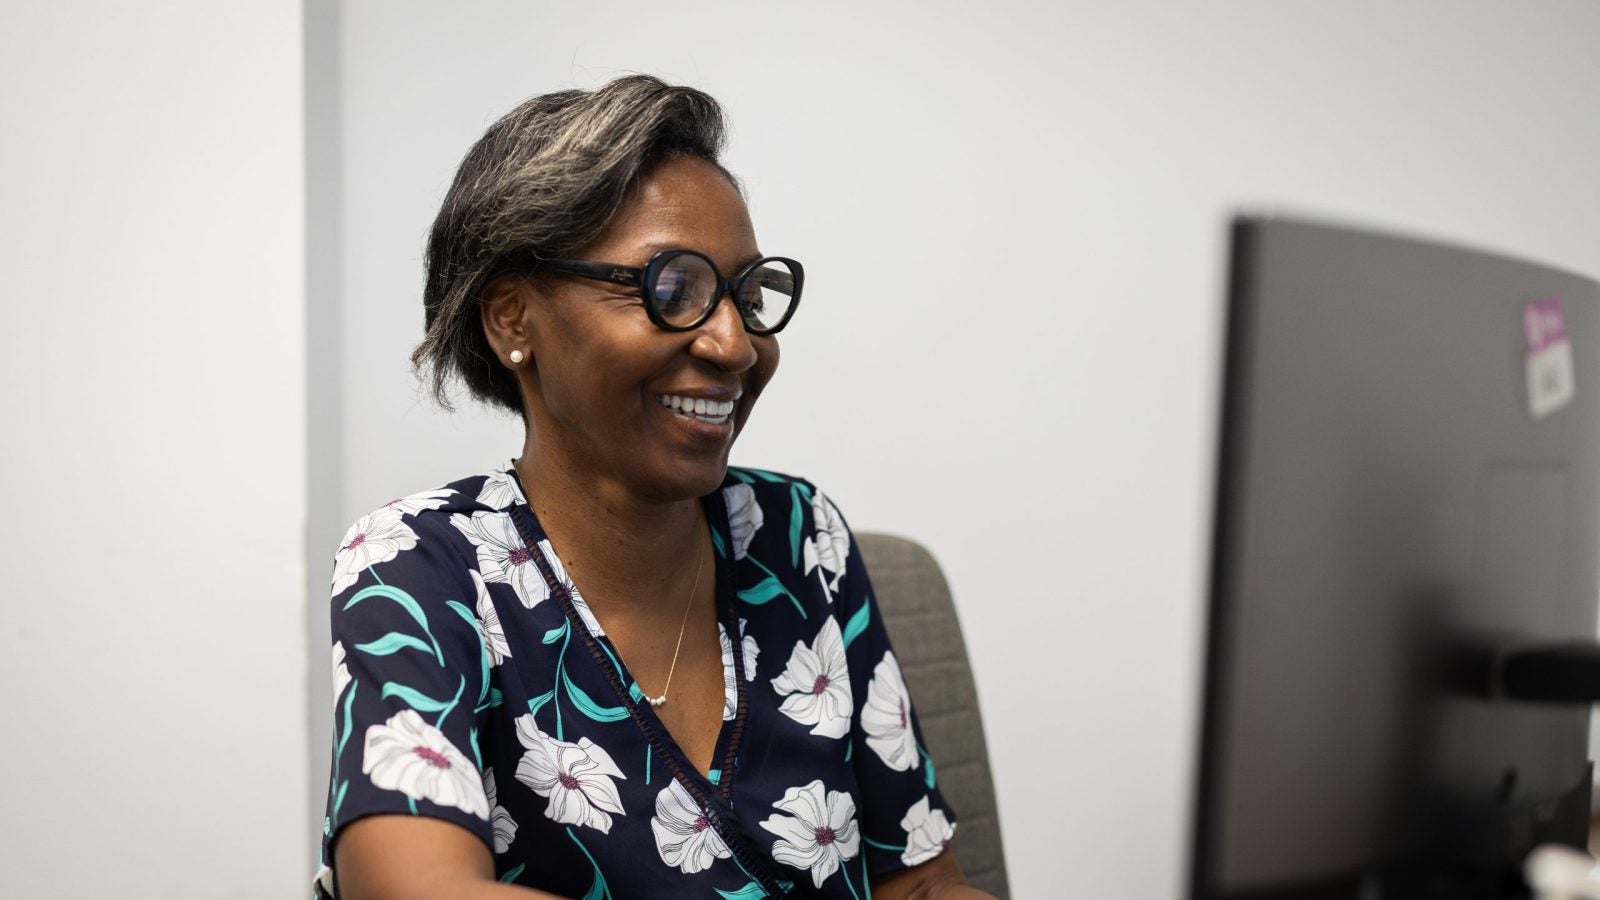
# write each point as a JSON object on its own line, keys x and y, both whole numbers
{"x": 766, "y": 366}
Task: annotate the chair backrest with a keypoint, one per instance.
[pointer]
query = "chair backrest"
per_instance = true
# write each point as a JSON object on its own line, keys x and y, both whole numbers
{"x": 917, "y": 610}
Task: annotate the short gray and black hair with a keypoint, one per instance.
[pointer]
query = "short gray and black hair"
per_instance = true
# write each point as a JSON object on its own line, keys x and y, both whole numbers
{"x": 543, "y": 182}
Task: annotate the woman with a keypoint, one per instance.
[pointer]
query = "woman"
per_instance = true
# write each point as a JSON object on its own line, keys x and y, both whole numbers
{"x": 717, "y": 711}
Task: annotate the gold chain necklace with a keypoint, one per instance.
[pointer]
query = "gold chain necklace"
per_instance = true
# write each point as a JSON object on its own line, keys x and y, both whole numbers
{"x": 701, "y": 560}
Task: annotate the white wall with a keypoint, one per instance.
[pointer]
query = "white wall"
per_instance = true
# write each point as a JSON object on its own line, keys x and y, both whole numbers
{"x": 152, "y": 647}
{"x": 1012, "y": 216}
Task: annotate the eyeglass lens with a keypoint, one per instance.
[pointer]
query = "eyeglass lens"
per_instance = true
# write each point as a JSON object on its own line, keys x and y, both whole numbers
{"x": 687, "y": 285}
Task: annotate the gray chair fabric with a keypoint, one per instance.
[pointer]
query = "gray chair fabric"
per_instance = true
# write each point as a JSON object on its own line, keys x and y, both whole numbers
{"x": 921, "y": 619}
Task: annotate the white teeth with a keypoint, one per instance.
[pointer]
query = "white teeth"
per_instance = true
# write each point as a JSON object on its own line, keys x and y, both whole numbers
{"x": 699, "y": 407}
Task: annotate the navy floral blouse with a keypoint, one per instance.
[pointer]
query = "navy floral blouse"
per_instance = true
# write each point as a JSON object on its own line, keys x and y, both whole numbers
{"x": 472, "y": 684}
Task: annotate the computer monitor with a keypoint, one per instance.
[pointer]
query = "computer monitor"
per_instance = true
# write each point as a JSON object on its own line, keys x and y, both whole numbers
{"x": 1406, "y": 499}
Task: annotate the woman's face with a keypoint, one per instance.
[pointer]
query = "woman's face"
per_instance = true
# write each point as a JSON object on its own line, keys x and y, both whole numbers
{"x": 594, "y": 388}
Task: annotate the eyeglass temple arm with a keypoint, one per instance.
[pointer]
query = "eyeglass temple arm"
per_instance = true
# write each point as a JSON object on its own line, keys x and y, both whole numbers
{"x": 628, "y": 275}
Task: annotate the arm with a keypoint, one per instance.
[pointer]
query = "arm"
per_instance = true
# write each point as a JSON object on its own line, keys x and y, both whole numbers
{"x": 939, "y": 878}
{"x": 397, "y": 857}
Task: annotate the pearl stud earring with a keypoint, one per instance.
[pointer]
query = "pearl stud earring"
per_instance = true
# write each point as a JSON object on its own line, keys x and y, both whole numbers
{"x": 516, "y": 357}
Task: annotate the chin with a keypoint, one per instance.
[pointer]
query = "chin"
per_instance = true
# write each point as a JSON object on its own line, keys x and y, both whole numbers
{"x": 690, "y": 479}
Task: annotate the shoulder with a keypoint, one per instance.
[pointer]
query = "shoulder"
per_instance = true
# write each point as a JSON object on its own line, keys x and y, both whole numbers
{"x": 770, "y": 489}
{"x": 783, "y": 515}
{"x": 428, "y": 525}
{"x": 761, "y": 495}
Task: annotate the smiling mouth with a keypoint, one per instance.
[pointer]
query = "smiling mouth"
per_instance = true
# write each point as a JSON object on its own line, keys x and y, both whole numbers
{"x": 712, "y": 412}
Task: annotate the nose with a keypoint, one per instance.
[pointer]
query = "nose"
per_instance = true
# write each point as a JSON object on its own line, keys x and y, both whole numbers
{"x": 722, "y": 341}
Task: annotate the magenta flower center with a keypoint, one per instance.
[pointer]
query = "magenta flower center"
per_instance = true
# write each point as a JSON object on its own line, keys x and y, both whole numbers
{"x": 902, "y": 714}
{"x": 567, "y": 781}
{"x": 701, "y": 823}
{"x": 356, "y": 541}
{"x": 520, "y": 556}
{"x": 431, "y": 757}
{"x": 820, "y": 685}
{"x": 824, "y": 836}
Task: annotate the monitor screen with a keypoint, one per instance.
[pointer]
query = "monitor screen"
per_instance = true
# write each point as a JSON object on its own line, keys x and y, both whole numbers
{"x": 1406, "y": 494}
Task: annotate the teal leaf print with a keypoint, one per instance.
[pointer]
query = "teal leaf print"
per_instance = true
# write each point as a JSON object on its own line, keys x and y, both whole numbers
{"x": 349, "y": 718}
{"x": 555, "y": 634}
{"x": 716, "y": 543}
{"x": 414, "y": 698}
{"x": 512, "y": 875}
{"x": 483, "y": 656}
{"x": 795, "y": 516}
{"x": 858, "y": 623}
{"x": 751, "y": 891}
{"x": 598, "y": 890}
{"x": 742, "y": 475}
{"x": 764, "y": 591}
{"x": 460, "y": 688}
{"x": 394, "y": 642}
{"x": 539, "y": 701}
{"x": 927, "y": 766}
{"x": 406, "y": 601}
{"x": 586, "y": 705}
{"x": 897, "y": 848}
{"x": 768, "y": 588}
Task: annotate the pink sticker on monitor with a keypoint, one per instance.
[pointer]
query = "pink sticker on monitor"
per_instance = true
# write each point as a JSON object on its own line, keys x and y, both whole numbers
{"x": 1549, "y": 359}
{"x": 1544, "y": 324}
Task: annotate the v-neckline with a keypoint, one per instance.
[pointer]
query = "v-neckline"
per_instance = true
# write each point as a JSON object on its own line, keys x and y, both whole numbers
{"x": 719, "y": 780}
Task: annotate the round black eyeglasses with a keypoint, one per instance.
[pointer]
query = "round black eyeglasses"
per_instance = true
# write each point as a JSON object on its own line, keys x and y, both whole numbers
{"x": 681, "y": 288}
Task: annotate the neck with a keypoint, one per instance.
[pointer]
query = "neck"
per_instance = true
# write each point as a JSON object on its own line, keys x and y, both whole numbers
{"x": 626, "y": 551}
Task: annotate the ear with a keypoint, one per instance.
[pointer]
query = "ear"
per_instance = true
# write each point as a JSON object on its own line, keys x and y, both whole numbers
{"x": 507, "y": 323}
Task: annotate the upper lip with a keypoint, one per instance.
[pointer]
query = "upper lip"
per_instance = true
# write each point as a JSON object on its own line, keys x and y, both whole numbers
{"x": 719, "y": 394}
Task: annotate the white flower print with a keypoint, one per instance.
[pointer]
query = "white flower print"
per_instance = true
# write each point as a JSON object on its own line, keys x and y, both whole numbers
{"x": 751, "y": 651}
{"x": 341, "y": 672}
{"x": 408, "y": 755}
{"x": 575, "y": 778}
{"x": 494, "y": 634}
{"x": 927, "y": 833}
{"x": 684, "y": 836}
{"x": 744, "y": 516}
{"x": 579, "y": 605}
{"x": 886, "y": 717}
{"x": 376, "y": 537}
{"x": 816, "y": 684}
{"x": 410, "y": 506}
{"x": 324, "y": 880}
{"x": 502, "y": 556}
{"x": 820, "y": 832}
{"x": 730, "y": 685}
{"x": 730, "y": 690}
{"x": 505, "y": 827}
{"x": 830, "y": 547}
{"x": 500, "y": 491}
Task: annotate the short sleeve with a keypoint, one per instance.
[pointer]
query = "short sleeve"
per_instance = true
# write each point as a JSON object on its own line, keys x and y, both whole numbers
{"x": 410, "y": 676}
{"x": 905, "y": 821}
